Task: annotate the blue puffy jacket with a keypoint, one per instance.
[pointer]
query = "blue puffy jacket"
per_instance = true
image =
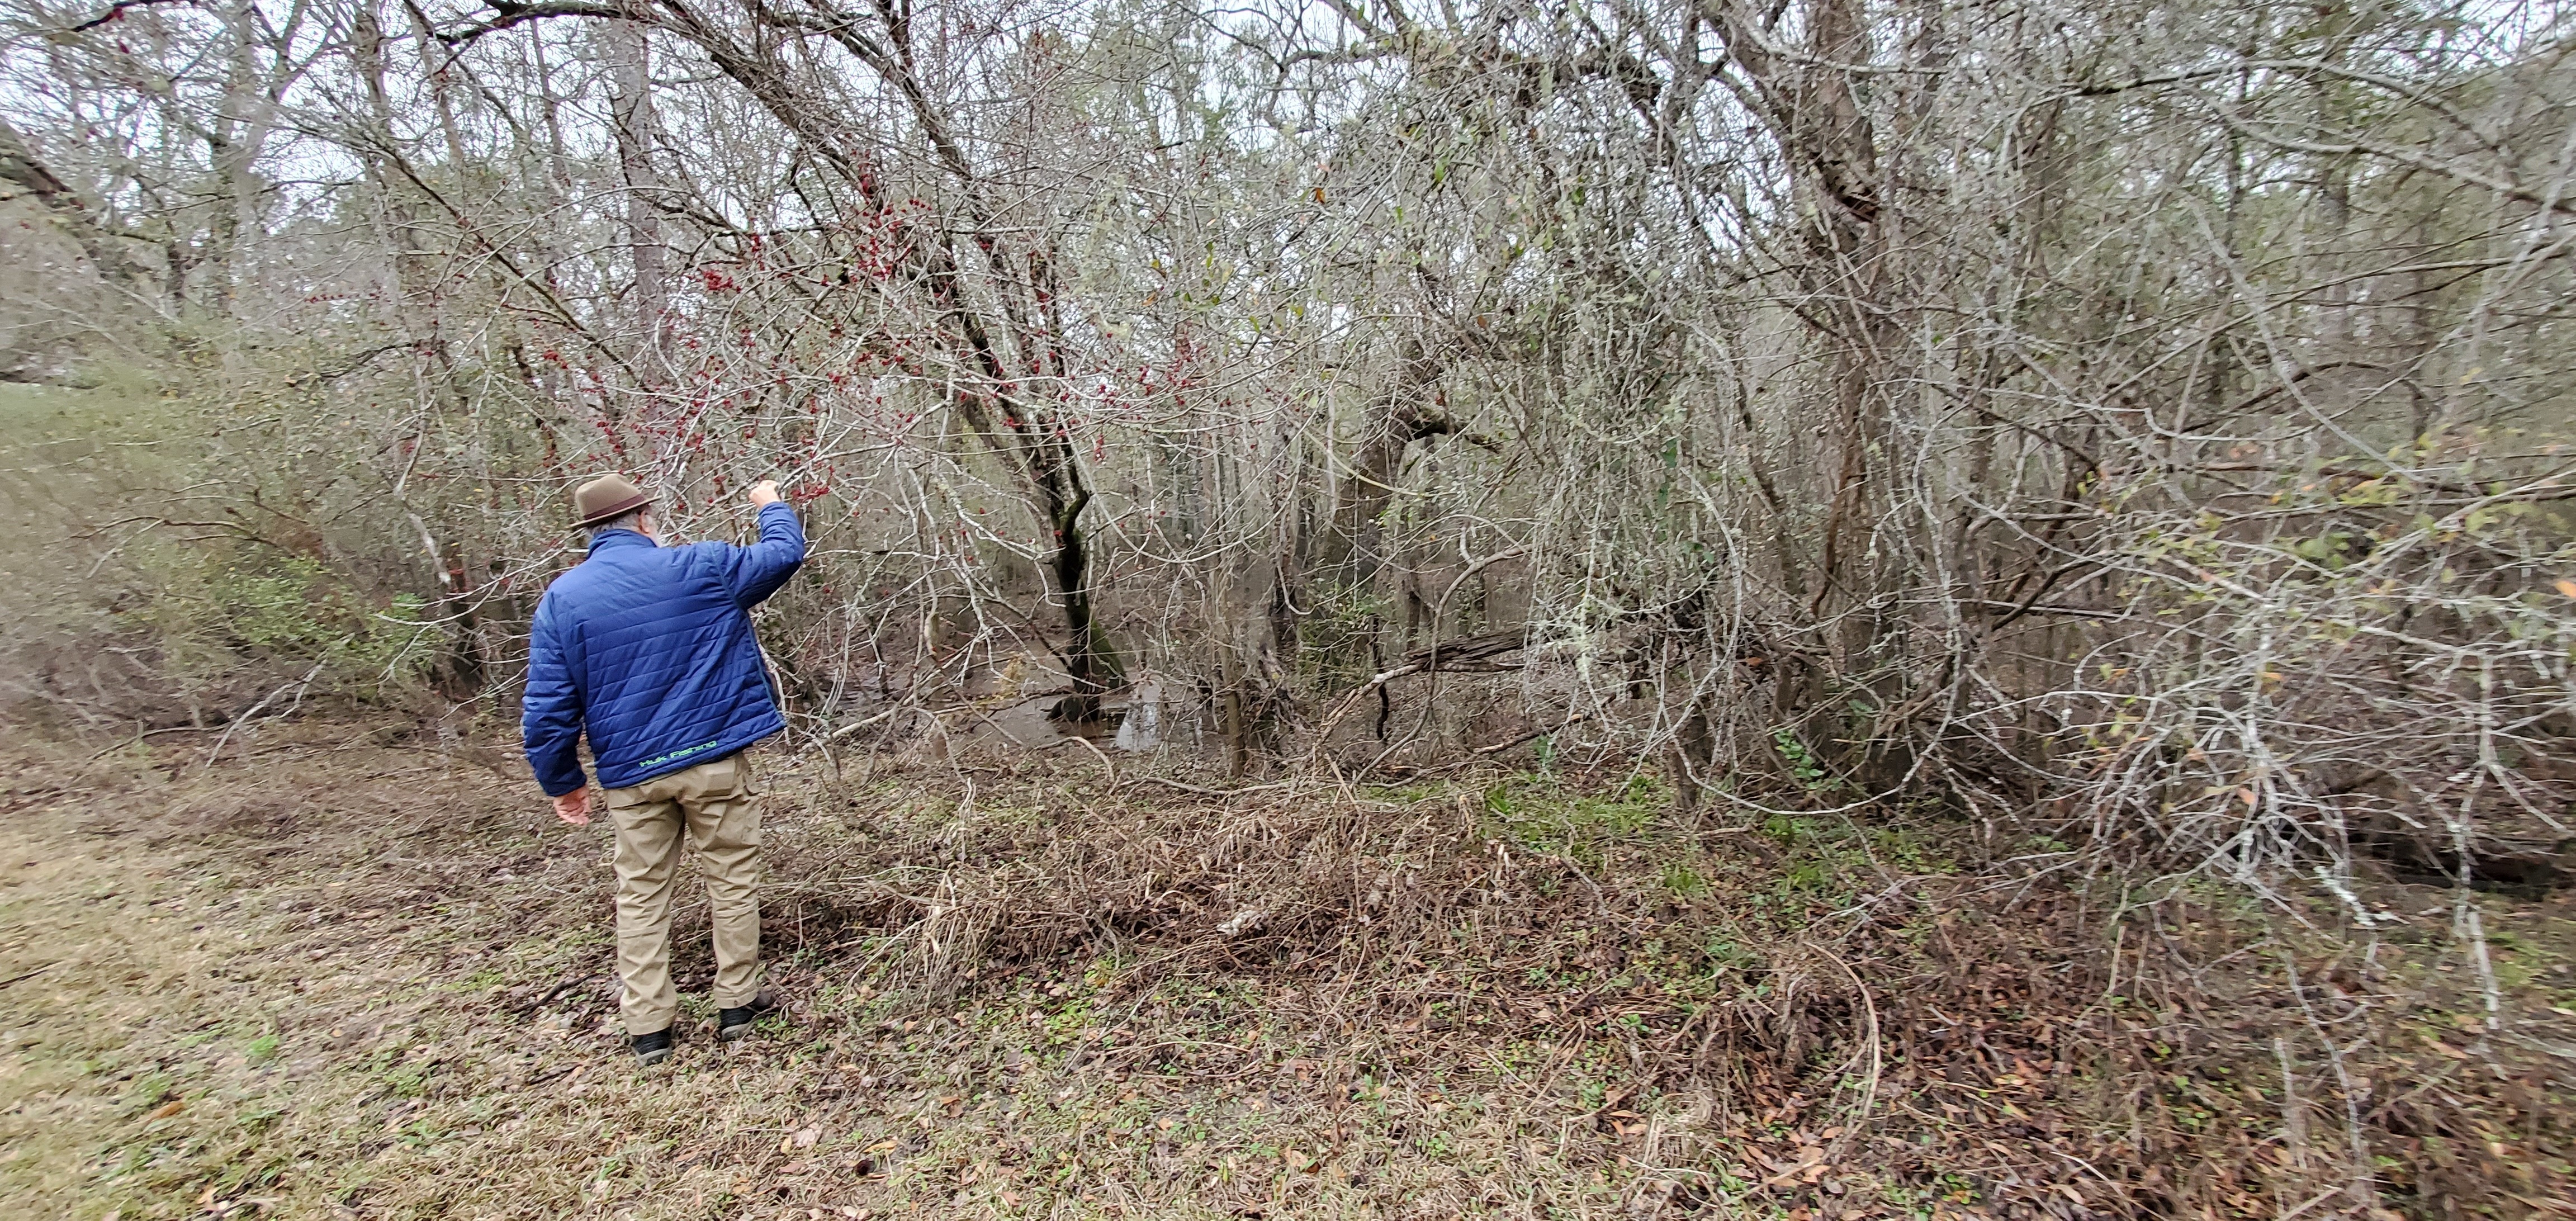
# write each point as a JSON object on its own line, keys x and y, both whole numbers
{"x": 649, "y": 650}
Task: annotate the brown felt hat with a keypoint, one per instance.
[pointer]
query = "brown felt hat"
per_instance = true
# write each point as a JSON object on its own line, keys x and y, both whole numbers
{"x": 606, "y": 497}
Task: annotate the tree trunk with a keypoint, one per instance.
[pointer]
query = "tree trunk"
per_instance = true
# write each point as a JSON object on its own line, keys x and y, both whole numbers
{"x": 630, "y": 65}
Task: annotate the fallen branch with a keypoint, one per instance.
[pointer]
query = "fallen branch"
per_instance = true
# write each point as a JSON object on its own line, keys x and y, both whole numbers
{"x": 123, "y": 743}
{"x": 237, "y": 722}
{"x": 1096, "y": 753}
{"x": 28, "y": 976}
{"x": 1204, "y": 791}
{"x": 1475, "y": 654}
{"x": 1499, "y": 747}
{"x": 855, "y": 726}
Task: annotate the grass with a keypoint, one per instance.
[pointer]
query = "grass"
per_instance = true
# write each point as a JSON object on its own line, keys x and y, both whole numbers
{"x": 324, "y": 980}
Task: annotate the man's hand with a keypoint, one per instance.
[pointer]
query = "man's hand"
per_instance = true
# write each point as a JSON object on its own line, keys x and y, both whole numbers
{"x": 763, "y": 493}
{"x": 574, "y": 807}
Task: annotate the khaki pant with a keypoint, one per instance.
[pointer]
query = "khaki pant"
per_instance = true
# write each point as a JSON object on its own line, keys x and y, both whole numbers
{"x": 717, "y": 807}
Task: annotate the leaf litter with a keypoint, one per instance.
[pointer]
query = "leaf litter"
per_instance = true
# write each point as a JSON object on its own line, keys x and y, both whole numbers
{"x": 1039, "y": 998}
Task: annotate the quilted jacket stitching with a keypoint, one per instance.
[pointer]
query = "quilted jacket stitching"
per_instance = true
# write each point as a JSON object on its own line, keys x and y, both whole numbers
{"x": 649, "y": 652}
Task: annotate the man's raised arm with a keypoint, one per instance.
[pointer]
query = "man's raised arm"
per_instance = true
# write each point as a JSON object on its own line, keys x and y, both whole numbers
{"x": 756, "y": 571}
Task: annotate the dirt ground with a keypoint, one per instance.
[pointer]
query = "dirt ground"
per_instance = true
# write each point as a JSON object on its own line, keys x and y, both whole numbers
{"x": 334, "y": 975}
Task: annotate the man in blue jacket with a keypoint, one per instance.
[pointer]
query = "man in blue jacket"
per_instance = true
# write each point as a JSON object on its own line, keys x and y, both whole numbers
{"x": 649, "y": 651}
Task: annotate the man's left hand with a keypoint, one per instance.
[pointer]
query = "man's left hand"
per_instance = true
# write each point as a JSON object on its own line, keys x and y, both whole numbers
{"x": 574, "y": 807}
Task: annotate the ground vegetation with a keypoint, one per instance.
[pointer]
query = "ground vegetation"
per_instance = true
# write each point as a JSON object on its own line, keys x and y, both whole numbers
{"x": 347, "y": 978}
{"x": 2097, "y": 473}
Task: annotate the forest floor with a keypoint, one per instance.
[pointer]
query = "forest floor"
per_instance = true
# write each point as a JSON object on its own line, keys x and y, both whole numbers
{"x": 340, "y": 974}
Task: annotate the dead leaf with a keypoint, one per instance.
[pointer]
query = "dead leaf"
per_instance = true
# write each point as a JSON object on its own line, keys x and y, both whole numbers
{"x": 1298, "y": 1160}
{"x": 805, "y": 1138}
{"x": 2567, "y": 587}
{"x": 165, "y": 1111}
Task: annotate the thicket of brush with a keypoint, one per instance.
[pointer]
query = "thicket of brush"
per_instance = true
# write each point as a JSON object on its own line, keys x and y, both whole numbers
{"x": 2130, "y": 439}
{"x": 1815, "y": 1013}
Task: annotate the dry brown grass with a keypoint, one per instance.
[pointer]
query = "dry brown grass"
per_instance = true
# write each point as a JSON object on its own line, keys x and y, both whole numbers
{"x": 373, "y": 982}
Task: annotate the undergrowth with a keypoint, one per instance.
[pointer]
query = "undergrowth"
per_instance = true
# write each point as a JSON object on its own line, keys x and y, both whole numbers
{"x": 1020, "y": 990}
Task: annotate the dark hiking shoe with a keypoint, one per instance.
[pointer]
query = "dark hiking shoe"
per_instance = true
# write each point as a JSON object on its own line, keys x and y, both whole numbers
{"x": 736, "y": 1023}
{"x": 652, "y": 1048}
